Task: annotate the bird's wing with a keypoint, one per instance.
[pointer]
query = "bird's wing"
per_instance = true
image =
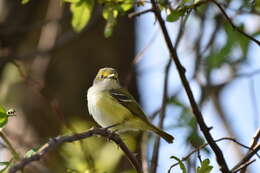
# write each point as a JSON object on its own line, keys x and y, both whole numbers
{"x": 128, "y": 101}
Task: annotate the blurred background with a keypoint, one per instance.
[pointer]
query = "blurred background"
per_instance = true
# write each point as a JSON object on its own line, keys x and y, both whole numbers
{"x": 46, "y": 69}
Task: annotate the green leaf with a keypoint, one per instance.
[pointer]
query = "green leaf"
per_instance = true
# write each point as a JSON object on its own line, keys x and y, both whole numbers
{"x": 257, "y": 5}
{"x": 110, "y": 13}
{"x": 205, "y": 167}
{"x": 5, "y": 166}
{"x": 107, "y": 11}
{"x": 127, "y": 5}
{"x": 71, "y": 1}
{"x": 81, "y": 12}
{"x": 25, "y": 1}
{"x": 3, "y": 117}
{"x": 111, "y": 22}
{"x": 30, "y": 153}
{"x": 175, "y": 15}
{"x": 182, "y": 166}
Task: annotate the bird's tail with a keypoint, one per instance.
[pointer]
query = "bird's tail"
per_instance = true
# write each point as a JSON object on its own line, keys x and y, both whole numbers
{"x": 169, "y": 138}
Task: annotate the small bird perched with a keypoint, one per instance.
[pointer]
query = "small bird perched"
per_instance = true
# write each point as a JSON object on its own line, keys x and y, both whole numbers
{"x": 112, "y": 105}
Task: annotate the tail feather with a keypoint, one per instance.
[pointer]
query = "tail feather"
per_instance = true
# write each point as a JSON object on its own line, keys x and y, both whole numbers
{"x": 169, "y": 138}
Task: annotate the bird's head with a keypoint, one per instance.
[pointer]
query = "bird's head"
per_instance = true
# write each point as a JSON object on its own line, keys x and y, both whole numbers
{"x": 107, "y": 77}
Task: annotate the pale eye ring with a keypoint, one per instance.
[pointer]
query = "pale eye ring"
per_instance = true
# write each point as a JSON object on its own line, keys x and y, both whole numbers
{"x": 102, "y": 76}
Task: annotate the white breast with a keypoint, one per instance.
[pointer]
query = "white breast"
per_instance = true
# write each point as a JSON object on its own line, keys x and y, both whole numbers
{"x": 94, "y": 97}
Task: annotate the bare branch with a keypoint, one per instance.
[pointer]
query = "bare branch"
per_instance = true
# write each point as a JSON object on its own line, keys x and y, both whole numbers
{"x": 233, "y": 25}
{"x": 165, "y": 97}
{"x": 139, "y": 13}
{"x": 55, "y": 142}
{"x": 253, "y": 144}
{"x": 181, "y": 70}
{"x": 247, "y": 157}
{"x": 244, "y": 165}
{"x": 9, "y": 146}
{"x": 204, "y": 145}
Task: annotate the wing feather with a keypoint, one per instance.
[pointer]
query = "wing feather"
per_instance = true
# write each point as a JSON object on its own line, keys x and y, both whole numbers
{"x": 128, "y": 101}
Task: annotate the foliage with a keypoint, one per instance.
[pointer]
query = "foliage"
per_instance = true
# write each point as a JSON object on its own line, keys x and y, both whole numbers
{"x": 4, "y": 166}
{"x": 25, "y": 1}
{"x": 30, "y": 153}
{"x": 187, "y": 120}
{"x": 3, "y": 117}
{"x": 181, "y": 164}
{"x": 81, "y": 13}
{"x": 205, "y": 167}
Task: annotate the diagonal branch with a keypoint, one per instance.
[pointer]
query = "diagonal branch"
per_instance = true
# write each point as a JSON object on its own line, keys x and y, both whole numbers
{"x": 247, "y": 157}
{"x": 55, "y": 142}
{"x": 233, "y": 25}
{"x": 196, "y": 111}
{"x": 185, "y": 158}
{"x": 162, "y": 111}
{"x": 253, "y": 144}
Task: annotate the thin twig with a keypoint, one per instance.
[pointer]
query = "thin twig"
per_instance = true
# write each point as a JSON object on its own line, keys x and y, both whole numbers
{"x": 55, "y": 142}
{"x": 247, "y": 157}
{"x": 137, "y": 58}
{"x": 185, "y": 158}
{"x": 181, "y": 70}
{"x": 162, "y": 117}
{"x": 253, "y": 144}
{"x": 233, "y": 25}
{"x": 9, "y": 145}
{"x": 139, "y": 13}
{"x": 165, "y": 97}
{"x": 244, "y": 166}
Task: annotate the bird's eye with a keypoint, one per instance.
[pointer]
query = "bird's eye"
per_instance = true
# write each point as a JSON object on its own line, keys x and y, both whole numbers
{"x": 101, "y": 76}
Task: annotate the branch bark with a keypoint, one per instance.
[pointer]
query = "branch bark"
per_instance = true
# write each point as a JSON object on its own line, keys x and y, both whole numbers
{"x": 55, "y": 142}
{"x": 233, "y": 25}
{"x": 205, "y": 130}
{"x": 185, "y": 158}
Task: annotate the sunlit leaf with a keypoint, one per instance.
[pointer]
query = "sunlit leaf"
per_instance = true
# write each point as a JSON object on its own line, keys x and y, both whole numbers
{"x": 175, "y": 15}
{"x": 182, "y": 166}
{"x": 127, "y": 5}
{"x": 81, "y": 12}
{"x": 30, "y": 153}
{"x": 110, "y": 14}
{"x": 71, "y": 1}
{"x": 111, "y": 22}
{"x": 109, "y": 11}
{"x": 3, "y": 117}
{"x": 4, "y": 166}
{"x": 257, "y": 5}
{"x": 205, "y": 167}
{"x": 25, "y": 1}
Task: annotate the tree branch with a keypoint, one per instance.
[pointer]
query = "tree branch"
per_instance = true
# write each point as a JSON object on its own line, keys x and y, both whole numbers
{"x": 139, "y": 13}
{"x": 55, "y": 142}
{"x": 253, "y": 144}
{"x": 246, "y": 158}
{"x": 165, "y": 97}
{"x": 233, "y": 25}
{"x": 205, "y": 130}
{"x": 244, "y": 166}
{"x": 204, "y": 145}
{"x": 9, "y": 146}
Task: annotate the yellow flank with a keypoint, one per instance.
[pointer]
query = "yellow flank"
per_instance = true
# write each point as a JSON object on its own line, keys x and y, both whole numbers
{"x": 108, "y": 116}
{"x": 111, "y": 111}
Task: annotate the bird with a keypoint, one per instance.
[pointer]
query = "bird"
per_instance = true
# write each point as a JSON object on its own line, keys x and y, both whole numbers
{"x": 113, "y": 106}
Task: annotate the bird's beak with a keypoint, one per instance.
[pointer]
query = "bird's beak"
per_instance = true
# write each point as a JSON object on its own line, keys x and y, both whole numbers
{"x": 111, "y": 76}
